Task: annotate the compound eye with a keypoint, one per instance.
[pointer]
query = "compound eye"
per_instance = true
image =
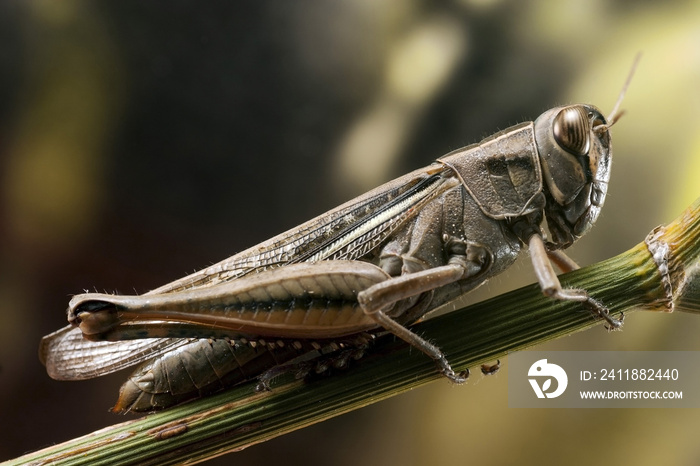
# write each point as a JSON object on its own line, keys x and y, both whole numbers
{"x": 572, "y": 130}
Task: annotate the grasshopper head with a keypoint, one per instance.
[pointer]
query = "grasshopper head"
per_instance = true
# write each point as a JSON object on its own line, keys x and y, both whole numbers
{"x": 575, "y": 153}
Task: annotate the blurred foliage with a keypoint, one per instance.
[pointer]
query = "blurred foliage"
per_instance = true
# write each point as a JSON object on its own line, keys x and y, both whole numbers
{"x": 140, "y": 141}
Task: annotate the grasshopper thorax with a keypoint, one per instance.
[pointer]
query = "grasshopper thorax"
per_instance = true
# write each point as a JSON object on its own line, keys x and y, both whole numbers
{"x": 575, "y": 152}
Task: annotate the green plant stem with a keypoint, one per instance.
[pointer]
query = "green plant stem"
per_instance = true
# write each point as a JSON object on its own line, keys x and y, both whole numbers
{"x": 240, "y": 417}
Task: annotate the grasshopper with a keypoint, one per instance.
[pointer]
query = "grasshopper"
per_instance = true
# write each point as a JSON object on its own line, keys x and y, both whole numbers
{"x": 318, "y": 294}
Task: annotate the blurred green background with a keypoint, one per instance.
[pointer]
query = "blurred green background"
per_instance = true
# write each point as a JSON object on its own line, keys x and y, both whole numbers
{"x": 140, "y": 141}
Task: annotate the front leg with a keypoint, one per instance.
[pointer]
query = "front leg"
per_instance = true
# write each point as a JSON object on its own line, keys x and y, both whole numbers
{"x": 470, "y": 261}
{"x": 549, "y": 282}
{"x": 561, "y": 260}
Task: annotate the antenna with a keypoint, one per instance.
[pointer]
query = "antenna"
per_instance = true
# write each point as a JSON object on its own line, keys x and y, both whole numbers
{"x": 616, "y": 112}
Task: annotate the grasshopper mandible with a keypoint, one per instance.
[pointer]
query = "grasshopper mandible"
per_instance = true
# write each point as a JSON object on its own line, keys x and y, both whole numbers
{"x": 375, "y": 264}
